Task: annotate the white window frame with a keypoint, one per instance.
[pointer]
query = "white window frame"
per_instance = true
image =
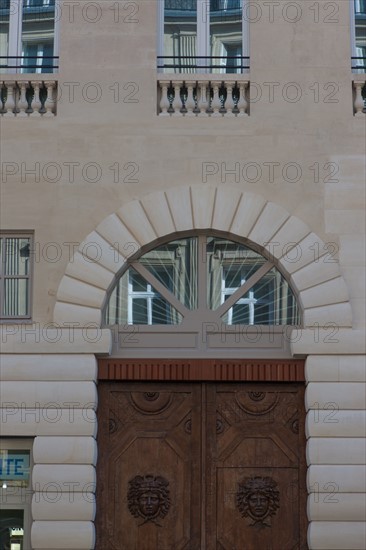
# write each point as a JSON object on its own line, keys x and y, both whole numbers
{"x": 15, "y": 235}
{"x": 228, "y": 291}
{"x": 15, "y": 37}
{"x": 203, "y": 31}
{"x": 22, "y": 499}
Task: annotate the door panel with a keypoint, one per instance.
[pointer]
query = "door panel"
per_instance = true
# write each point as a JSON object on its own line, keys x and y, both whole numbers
{"x": 149, "y": 447}
{"x": 201, "y": 466}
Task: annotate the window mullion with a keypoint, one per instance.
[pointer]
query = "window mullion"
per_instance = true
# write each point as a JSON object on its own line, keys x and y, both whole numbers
{"x": 203, "y": 32}
{"x": 245, "y": 35}
{"x": 202, "y": 272}
{"x": 15, "y": 33}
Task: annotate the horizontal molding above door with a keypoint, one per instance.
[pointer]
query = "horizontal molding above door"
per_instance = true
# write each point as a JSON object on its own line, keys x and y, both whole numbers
{"x": 274, "y": 370}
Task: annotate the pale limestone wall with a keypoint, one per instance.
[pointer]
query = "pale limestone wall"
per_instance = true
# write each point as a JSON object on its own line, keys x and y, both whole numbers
{"x": 169, "y": 155}
{"x": 53, "y": 398}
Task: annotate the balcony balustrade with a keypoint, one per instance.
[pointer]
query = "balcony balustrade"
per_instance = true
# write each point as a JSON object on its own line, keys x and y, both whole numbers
{"x": 204, "y": 96}
{"x": 21, "y": 97}
{"x": 359, "y": 95}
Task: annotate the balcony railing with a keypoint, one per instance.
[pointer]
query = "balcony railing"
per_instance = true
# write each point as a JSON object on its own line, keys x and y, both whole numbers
{"x": 206, "y": 64}
{"x": 359, "y": 96}
{"x": 28, "y": 98}
{"x": 359, "y": 64}
{"x": 206, "y": 96}
{"x": 29, "y": 63}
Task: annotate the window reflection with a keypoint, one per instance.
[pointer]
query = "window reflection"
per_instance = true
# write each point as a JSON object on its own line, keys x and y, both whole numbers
{"x": 149, "y": 291}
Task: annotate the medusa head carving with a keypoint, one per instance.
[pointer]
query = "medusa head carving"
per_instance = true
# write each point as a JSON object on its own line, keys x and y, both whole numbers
{"x": 148, "y": 497}
{"x": 258, "y": 498}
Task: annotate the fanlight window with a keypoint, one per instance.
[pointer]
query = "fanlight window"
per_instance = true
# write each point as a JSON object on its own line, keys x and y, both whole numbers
{"x": 211, "y": 276}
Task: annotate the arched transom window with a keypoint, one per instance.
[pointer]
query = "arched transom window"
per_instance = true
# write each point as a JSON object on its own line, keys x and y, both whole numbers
{"x": 201, "y": 277}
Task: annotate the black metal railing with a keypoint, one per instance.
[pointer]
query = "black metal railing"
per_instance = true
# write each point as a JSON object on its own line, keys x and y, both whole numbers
{"x": 180, "y": 63}
{"x": 360, "y": 63}
{"x": 191, "y": 5}
{"x": 19, "y": 64}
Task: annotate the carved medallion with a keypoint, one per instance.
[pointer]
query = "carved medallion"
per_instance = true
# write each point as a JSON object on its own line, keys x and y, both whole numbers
{"x": 151, "y": 395}
{"x": 148, "y": 498}
{"x": 188, "y": 426}
{"x": 257, "y": 403}
{"x": 256, "y": 395}
{"x": 151, "y": 402}
{"x": 258, "y": 498}
{"x": 112, "y": 426}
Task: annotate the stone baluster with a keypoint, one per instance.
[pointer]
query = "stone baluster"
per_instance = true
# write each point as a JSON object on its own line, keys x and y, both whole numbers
{"x": 23, "y": 103}
{"x": 49, "y": 103}
{"x": 359, "y": 101}
{"x": 10, "y": 99}
{"x": 216, "y": 103}
{"x": 177, "y": 102}
{"x": 36, "y": 102}
{"x": 229, "y": 103}
{"x": 190, "y": 103}
{"x": 242, "y": 103}
{"x": 164, "y": 101}
{"x": 203, "y": 103}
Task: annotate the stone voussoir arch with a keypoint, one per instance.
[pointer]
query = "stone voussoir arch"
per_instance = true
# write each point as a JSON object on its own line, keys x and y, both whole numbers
{"x": 300, "y": 254}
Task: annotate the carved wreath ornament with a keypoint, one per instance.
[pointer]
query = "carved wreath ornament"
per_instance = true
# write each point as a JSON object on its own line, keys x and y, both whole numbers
{"x": 258, "y": 498}
{"x": 148, "y": 498}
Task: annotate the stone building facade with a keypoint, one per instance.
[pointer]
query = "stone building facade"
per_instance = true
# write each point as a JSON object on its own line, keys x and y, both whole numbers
{"x": 118, "y": 157}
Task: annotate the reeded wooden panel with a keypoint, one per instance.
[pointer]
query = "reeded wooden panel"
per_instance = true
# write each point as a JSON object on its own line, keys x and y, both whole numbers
{"x": 230, "y": 370}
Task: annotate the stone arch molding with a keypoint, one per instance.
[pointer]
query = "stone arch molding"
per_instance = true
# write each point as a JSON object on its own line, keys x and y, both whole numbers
{"x": 312, "y": 271}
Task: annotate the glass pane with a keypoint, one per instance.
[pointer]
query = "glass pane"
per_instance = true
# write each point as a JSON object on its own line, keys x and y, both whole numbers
{"x": 38, "y": 36}
{"x": 16, "y": 297}
{"x": 175, "y": 266}
{"x": 135, "y": 301}
{"x": 180, "y": 36}
{"x": 269, "y": 302}
{"x": 4, "y": 31}
{"x": 139, "y": 311}
{"x": 226, "y": 35}
{"x": 14, "y": 468}
{"x": 17, "y": 251}
{"x": 229, "y": 266}
{"x": 11, "y": 529}
{"x": 138, "y": 282}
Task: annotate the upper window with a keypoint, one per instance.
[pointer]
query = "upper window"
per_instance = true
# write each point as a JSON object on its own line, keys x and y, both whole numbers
{"x": 202, "y": 35}
{"x": 15, "y": 273}
{"x": 359, "y": 39}
{"x": 202, "y": 277}
{"x": 27, "y": 36}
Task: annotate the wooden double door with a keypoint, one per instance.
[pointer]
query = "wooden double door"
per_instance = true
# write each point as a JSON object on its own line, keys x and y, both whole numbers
{"x": 201, "y": 466}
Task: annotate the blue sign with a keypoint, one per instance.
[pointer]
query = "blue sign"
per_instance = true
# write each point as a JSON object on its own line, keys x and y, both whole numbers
{"x": 14, "y": 466}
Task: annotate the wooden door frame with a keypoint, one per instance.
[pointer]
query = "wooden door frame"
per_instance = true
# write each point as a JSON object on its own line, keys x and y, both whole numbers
{"x": 202, "y": 370}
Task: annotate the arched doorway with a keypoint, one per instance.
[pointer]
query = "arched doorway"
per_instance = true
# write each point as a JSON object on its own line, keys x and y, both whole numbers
{"x": 201, "y": 453}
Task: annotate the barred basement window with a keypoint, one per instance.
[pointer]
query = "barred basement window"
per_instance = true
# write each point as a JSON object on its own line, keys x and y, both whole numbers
{"x": 15, "y": 276}
{"x": 207, "y": 277}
